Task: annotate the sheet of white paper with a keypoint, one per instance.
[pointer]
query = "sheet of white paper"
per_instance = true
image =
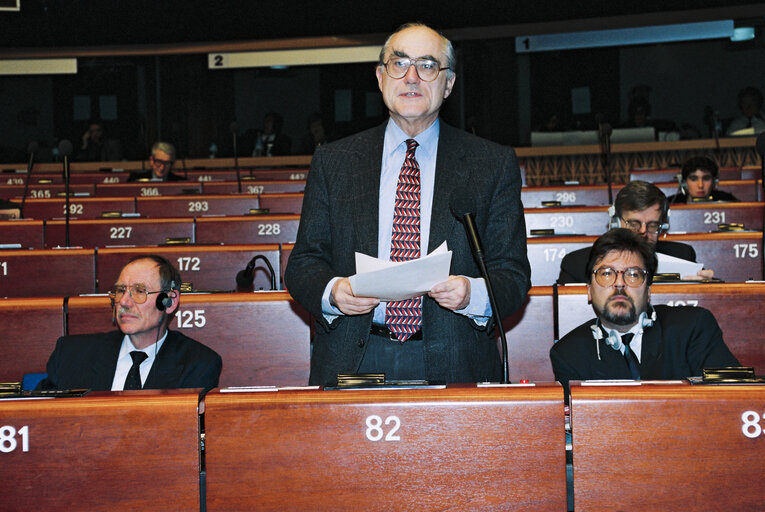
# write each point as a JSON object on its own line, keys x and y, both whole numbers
{"x": 671, "y": 265}
{"x": 389, "y": 281}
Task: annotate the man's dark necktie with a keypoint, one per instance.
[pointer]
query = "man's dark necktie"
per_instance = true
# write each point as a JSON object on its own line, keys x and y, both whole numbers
{"x": 629, "y": 355}
{"x": 403, "y": 318}
{"x": 133, "y": 380}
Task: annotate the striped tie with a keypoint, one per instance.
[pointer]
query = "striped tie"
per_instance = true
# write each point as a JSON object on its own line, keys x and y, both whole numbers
{"x": 404, "y": 317}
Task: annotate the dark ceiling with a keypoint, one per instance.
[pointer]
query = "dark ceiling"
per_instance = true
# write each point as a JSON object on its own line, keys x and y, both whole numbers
{"x": 57, "y": 23}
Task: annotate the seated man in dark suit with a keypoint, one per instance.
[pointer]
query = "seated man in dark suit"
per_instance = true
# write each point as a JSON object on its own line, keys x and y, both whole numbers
{"x": 698, "y": 182}
{"x": 143, "y": 354}
{"x": 161, "y": 160}
{"x": 643, "y": 208}
{"x": 630, "y": 339}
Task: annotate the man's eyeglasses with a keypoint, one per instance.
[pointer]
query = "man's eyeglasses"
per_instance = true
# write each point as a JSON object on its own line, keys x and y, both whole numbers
{"x": 137, "y": 292}
{"x": 633, "y": 276}
{"x": 166, "y": 163}
{"x": 650, "y": 227}
{"x": 427, "y": 69}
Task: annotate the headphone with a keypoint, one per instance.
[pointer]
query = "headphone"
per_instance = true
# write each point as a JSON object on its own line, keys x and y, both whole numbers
{"x": 612, "y": 338}
{"x": 615, "y": 222}
{"x": 164, "y": 301}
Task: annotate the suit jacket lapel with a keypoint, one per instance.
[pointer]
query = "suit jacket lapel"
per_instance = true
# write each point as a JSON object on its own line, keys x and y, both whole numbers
{"x": 105, "y": 363}
{"x": 652, "y": 353}
{"x": 365, "y": 188}
{"x": 451, "y": 175}
{"x": 166, "y": 371}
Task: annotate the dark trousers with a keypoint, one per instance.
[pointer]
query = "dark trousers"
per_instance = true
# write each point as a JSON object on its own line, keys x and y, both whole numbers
{"x": 398, "y": 361}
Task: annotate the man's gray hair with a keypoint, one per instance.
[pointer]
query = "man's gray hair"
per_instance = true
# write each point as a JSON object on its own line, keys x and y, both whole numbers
{"x": 165, "y": 147}
{"x": 448, "y": 49}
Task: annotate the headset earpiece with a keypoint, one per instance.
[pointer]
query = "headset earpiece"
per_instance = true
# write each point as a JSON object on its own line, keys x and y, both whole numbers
{"x": 647, "y": 321}
{"x": 164, "y": 301}
{"x": 612, "y": 340}
{"x": 613, "y": 220}
{"x": 114, "y": 310}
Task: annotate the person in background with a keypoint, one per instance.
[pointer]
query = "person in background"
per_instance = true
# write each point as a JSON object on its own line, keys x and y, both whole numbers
{"x": 143, "y": 353}
{"x": 161, "y": 160}
{"x": 698, "y": 182}
{"x": 752, "y": 116}
{"x": 270, "y": 141}
{"x": 630, "y": 338}
{"x": 95, "y": 147}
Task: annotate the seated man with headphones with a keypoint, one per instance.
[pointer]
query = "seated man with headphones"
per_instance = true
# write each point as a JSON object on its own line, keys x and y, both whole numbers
{"x": 143, "y": 353}
{"x": 643, "y": 208}
{"x": 698, "y": 182}
{"x": 629, "y": 338}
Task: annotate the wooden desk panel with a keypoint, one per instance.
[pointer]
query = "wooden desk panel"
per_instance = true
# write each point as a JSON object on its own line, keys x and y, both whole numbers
{"x": 459, "y": 448}
{"x": 47, "y": 272}
{"x": 737, "y": 308}
{"x": 529, "y": 334}
{"x": 148, "y": 189}
{"x": 580, "y": 220}
{"x": 79, "y": 178}
{"x": 125, "y": 231}
{"x": 79, "y": 207}
{"x": 263, "y": 337}
{"x": 249, "y": 229}
{"x": 658, "y": 175}
{"x": 282, "y": 203}
{"x": 667, "y": 447}
{"x": 734, "y": 256}
{"x": 206, "y": 267}
{"x": 286, "y": 250}
{"x": 46, "y": 190}
{"x": 299, "y": 173}
{"x": 196, "y": 205}
{"x": 28, "y": 233}
{"x": 254, "y": 187}
{"x": 30, "y": 330}
{"x": 135, "y": 450}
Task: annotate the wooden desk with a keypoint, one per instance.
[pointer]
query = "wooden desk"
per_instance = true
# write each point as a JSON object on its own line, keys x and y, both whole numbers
{"x": 657, "y": 175}
{"x": 135, "y": 450}
{"x": 118, "y": 232}
{"x": 46, "y": 190}
{"x": 206, "y": 267}
{"x": 737, "y": 308}
{"x": 254, "y": 186}
{"x": 458, "y": 448}
{"x": 30, "y": 329}
{"x": 196, "y": 205}
{"x": 247, "y": 229}
{"x": 263, "y": 337}
{"x": 79, "y": 207}
{"x": 688, "y": 218}
{"x": 734, "y": 256}
{"x": 47, "y": 272}
{"x": 282, "y": 203}
{"x": 529, "y": 334}
{"x": 668, "y": 447}
{"x": 28, "y": 233}
{"x": 148, "y": 189}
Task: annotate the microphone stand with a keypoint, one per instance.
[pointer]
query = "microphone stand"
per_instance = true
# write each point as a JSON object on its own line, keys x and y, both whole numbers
{"x": 605, "y": 152}
{"x": 477, "y": 248}
{"x": 26, "y": 182}
{"x": 760, "y": 147}
{"x": 250, "y": 269}
{"x": 234, "y": 129}
{"x": 66, "y": 200}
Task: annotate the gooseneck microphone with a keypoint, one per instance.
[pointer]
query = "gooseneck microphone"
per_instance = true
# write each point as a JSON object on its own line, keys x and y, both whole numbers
{"x": 32, "y": 149}
{"x": 760, "y": 147}
{"x": 65, "y": 149}
{"x": 245, "y": 279}
{"x": 604, "y": 134}
{"x": 462, "y": 207}
{"x": 234, "y": 127}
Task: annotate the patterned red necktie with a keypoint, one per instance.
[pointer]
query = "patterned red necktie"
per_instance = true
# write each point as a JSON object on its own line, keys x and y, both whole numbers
{"x": 404, "y": 317}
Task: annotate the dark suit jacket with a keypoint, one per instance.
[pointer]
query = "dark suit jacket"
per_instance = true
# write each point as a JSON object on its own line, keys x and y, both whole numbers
{"x": 340, "y": 217}
{"x": 90, "y": 360}
{"x": 573, "y": 266}
{"x": 146, "y": 175}
{"x": 681, "y": 343}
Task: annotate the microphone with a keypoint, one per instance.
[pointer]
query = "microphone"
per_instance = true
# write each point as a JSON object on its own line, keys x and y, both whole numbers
{"x": 604, "y": 134}
{"x": 245, "y": 278}
{"x": 234, "y": 127}
{"x": 32, "y": 149}
{"x": 65, "y": 149}
{"x": 462, "y": 207}
{"x": 760, "y": 147}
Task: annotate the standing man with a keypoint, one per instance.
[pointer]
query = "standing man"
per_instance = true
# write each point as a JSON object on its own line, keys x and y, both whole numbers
{"x": 162, "y": 160}
{"x": 629, "y": 338}
{"x": 143, "y": 354}
{"x": 420, "y": 167}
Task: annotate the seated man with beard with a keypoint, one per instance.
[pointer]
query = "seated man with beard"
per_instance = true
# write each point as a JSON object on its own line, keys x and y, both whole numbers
{"x": 629, "y": 338}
